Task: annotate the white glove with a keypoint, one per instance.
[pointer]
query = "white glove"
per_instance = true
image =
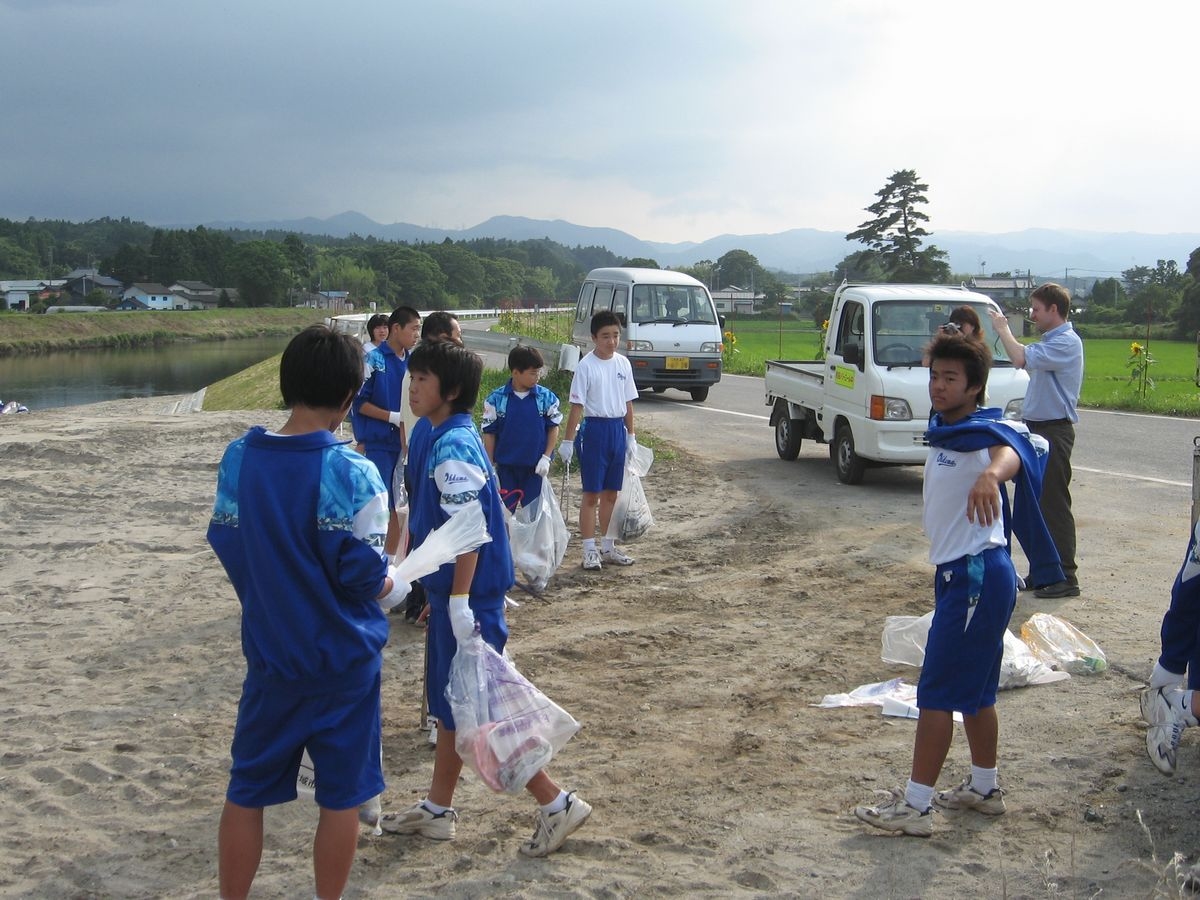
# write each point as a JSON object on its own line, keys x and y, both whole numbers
{"x": 462, "y": 620}
{"x": 566, "y": 450}
{"x": 543, "y": 467}
{"x": 630, "y": 444}
{"x": 399, "y": 591}
{"x": 395, "y": 418}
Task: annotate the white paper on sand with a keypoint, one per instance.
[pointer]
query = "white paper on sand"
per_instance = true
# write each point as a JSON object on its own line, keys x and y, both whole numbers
{"x": 897, "y": 697}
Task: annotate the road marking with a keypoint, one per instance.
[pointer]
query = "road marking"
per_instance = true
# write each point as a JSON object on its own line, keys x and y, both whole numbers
{"x": 1134, "y": 477}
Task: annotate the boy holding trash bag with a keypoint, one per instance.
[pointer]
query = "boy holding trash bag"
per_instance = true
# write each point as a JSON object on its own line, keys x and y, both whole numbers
{"x": 520, "y": 429}
{"x": 967, "y": 518}
{"x": 602, "y": 395}
{"x": 298, "y": 523}
{"x": 452, "y": 474}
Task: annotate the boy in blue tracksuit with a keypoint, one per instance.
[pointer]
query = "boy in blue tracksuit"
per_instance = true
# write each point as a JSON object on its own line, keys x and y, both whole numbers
{"x": 450, "y": 473}
{"x": 376, "y": 412}
{"x": 520, "y": 429}
{"x": 299, "y": 523}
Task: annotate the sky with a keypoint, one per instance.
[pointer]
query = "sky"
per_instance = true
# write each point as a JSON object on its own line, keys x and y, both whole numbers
{"x": 671, "y": 120}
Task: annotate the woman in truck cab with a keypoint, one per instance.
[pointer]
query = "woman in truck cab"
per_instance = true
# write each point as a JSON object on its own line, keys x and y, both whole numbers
{"x": 967, "y": 321}
{"x": 963, "y": 320}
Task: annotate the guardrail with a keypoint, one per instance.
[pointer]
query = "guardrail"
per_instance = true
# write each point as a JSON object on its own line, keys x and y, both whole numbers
{"x": 474, "y": 338}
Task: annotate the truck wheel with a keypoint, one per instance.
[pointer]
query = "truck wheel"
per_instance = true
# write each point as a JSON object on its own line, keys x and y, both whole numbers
{"x": 699, "y": 394}
{"x": 849, "y": 465}
{"x": 787, "y": 437}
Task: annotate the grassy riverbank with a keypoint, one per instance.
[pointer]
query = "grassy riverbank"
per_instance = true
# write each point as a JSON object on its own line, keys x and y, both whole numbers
{"x": 21, "y": 333}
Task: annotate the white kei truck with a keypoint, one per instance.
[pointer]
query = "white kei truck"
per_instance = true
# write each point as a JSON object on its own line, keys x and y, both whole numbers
{"x": 869, "y": 397}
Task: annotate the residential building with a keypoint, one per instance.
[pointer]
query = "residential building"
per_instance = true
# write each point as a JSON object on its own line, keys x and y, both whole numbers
{"x": 734, "y": 299}
{"x": 151, "y": 295}
{"x": 80, "y": 283}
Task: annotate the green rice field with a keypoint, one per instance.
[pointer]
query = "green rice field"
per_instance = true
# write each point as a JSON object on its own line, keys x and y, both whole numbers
{"x": 1106, "y": 376}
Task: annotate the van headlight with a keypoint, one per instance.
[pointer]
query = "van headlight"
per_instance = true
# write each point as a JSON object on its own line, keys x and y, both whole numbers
{"x": 1014, "y": 408}
{"x": 639, "y": 345}
{"x": 710, "y": 347}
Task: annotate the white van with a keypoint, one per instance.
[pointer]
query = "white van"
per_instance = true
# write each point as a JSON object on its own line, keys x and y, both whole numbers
{"x": 670, "y": 331}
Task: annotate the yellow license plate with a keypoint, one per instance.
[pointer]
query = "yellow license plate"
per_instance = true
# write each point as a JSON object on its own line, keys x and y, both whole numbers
{"x": 677, "y": 362}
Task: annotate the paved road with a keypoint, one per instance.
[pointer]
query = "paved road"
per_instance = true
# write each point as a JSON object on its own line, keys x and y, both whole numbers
{"x": 1130, "y": 446}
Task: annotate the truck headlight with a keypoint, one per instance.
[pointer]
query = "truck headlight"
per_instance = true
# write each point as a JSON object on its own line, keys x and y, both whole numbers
{"x": 710, "y": 347}
{"x": 1014, "y": 408}
{"x": 638, "y": 345}
{"x": 890, "y": 409}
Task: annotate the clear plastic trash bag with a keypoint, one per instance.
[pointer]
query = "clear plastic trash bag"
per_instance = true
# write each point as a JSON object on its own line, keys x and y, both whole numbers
{"x": 539, "y": 537}
{"x": 1061, "y": 645}
{"x": 506, "y": 730}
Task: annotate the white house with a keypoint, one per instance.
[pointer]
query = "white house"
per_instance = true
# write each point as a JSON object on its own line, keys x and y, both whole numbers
{"x": 734, "y": 299}
{"x": 17, "y": 294}
{"x": 152, "y": 296}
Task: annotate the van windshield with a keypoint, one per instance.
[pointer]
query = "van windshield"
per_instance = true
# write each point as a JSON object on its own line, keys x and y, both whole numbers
{"x": 674, "y": 303}
{"x": 902, "y": 329}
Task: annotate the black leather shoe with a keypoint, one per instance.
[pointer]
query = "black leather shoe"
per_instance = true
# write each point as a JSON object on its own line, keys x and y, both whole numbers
{"x": 1057, "y": 590}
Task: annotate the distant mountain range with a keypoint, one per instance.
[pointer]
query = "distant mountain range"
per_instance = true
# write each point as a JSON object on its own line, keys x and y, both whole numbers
{"x": 1043, "y": 251}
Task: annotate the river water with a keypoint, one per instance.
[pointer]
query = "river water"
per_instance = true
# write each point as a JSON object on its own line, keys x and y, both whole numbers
{"x": 90, "y": 376}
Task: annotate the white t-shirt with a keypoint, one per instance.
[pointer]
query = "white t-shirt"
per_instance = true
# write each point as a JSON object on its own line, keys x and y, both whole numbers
{"x": 949, "y": 476}
{"x": 603, "y": 386}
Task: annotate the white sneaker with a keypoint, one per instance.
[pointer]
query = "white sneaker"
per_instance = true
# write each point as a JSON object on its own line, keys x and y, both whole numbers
{"x": 966, "y": 797}
{"x": 419, "y": 819}
{"x": 616, "y": 557}
{"x": 552, "y": 831}
{"x": 1166, "y": 728}
{"x": 591, "y": 560}
{"x": 896, "y": 815}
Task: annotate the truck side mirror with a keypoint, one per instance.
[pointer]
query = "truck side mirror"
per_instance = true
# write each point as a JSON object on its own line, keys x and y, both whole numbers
{"x": 852, "y": 354}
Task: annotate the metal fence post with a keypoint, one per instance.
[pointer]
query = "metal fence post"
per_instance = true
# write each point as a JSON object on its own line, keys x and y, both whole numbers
{"x": 1195, "y": 479}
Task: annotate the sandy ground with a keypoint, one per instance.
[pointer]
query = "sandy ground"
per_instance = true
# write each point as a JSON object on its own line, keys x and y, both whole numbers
{"x": 762, "y": 587}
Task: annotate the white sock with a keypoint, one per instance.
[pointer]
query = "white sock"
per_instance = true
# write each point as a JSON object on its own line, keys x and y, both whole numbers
{"x": 589, "y": 544}
{"x": 1160, "y": 677}
{"x": 918, "y": 796}
{"x": 983, "y": 780}
{"x": 1181, "y": 701}
{"x": 607, "y": 544}
{"x": 558, "y": 804}
{"x": 433, "y": 807}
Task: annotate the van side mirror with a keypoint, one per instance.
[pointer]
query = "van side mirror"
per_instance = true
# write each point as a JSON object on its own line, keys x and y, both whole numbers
{"x": 852, "y": 354}
{"x": 621, "y": 319}
{"x": 721, "y": 323}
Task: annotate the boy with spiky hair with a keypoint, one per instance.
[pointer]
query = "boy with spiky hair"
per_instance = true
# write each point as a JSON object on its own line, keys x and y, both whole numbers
{"x": 299, "y": 523}
{"x": 451, "y": 472}
{"x": 972, "y": 453}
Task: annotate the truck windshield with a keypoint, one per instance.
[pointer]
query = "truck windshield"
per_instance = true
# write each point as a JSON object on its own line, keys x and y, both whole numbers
{"x": 902, "y": 329}
{"x": 676, "y": 303}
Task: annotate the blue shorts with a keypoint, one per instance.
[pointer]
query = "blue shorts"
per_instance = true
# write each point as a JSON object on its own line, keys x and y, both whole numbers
{"x": 386, "y": 462}
{"x": 519, "y": 484}
{"x": 342, "y": 732}
{"x": 601, "y": 446}
{"x": 442, "y": 646}
{"x": 974, "y": 597}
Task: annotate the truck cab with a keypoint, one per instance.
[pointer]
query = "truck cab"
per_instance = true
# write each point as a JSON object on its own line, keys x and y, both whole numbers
{"x": 869, "y": 397}
{"x": 670, "y": 330}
